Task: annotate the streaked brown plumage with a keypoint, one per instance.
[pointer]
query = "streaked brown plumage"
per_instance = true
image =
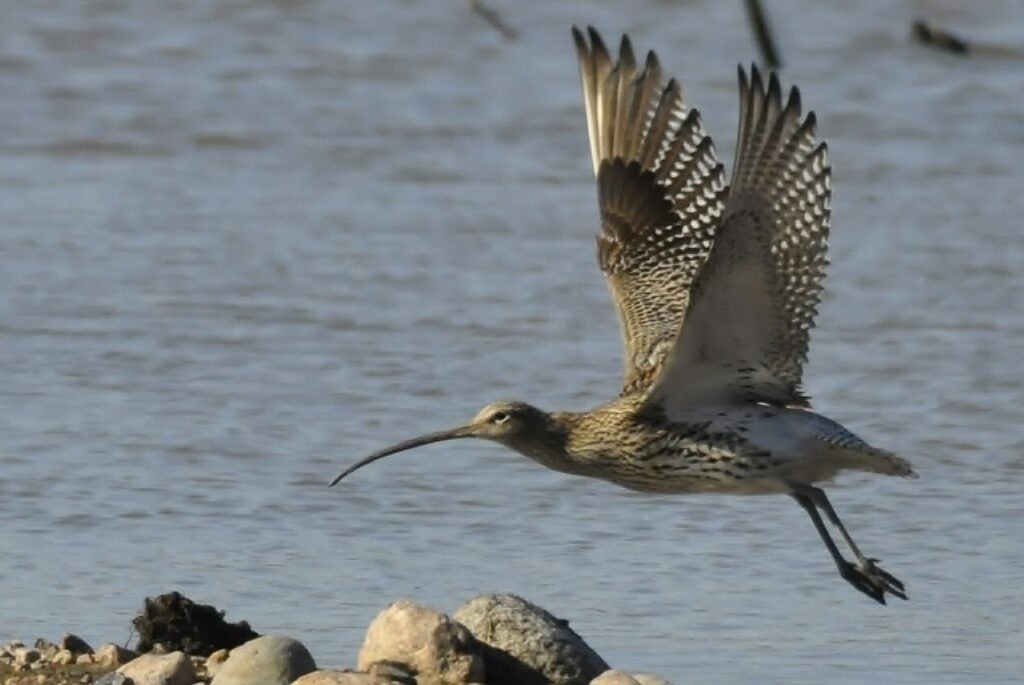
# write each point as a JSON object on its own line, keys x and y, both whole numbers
{"x": 716, "y": 290}
{"x": 661, "y": 192}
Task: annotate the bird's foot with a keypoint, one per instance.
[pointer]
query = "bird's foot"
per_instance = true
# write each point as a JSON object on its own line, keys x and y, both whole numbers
{"x": 872, "y": 580}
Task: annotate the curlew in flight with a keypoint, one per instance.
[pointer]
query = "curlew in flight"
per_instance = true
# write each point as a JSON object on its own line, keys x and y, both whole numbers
{"x": 716, "y": 288}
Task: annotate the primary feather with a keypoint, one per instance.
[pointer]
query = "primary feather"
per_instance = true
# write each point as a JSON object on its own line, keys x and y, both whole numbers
{"x": 746, "y": 332}
{"x": 660, "y": 193}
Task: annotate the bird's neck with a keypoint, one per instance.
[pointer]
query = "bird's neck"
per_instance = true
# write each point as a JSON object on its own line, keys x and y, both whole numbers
{"x": 549, "y": 446}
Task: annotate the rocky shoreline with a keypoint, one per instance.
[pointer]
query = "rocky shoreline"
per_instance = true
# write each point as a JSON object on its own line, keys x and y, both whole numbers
{"x": 490, "y": 640}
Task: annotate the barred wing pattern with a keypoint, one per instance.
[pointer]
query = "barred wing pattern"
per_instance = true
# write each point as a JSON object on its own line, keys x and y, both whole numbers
{"x": 660, "y": 192}
{"x": 753, "y": 305}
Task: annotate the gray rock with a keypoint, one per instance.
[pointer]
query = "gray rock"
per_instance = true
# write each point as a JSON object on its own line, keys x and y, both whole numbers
{"x": 113, "y": 678}
{"x": 613, "y": 677}
{"x": 160, "y": 669}
{"x": 527, "y": 645}
{"x": 267, "y": 660}
{"x": 434, "y": 647}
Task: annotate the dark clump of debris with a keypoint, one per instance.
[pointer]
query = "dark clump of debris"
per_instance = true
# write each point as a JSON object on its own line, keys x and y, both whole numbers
{"x": 179, "y": 624}
{"x": 938, "y": 38}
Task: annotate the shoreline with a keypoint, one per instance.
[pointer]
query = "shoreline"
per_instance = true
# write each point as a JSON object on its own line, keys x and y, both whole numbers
{"x": 496, "y": 639}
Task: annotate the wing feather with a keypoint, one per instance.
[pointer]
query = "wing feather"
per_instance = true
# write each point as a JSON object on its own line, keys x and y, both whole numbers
{"x": 747, "y": 329}
{"x": 660, "y": 192}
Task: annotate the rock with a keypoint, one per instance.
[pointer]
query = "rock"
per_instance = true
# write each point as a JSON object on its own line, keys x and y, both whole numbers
{"x": 23, "y": 656}
{"x": 436, "y": 648}
{"x": 86, "y": 659}
{"x": 327, "y": 677}
{"x": 267, "y": 660}
{"x": 114, "y": 678}
{"x": 109, "y": 655}
{"x": 178, "y": 623}
{"x": 74, "y": 644}
{"x": 613, "y": 677}
{"x": 650, "y": 679}
{"x": 395, "y": 674}
{"x": 526, "y": 645}
{"x": 160, "y": 669}
{"x": 63, "y": 657}
{"x": 215, "y": 661}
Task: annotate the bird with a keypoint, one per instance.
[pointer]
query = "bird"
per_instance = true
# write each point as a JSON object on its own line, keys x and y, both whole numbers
{"x": 716, "y": 285}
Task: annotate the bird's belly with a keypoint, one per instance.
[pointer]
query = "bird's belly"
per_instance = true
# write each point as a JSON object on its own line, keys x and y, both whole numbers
{"x": 681, "y": 474}
{"x": 691, "y": 484}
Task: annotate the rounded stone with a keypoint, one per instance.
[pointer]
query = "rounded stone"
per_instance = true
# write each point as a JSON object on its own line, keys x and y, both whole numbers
{"x": 328, "y": 677}
{"x": 215, "y": 661}
{"x": 267, "y": 660}
{"x": 650, "y": 679}
{"x": 110, "y": 655}
{"x": 23, "y": 656}
{"x": 436, "y": 648}
{"x": 160, "y": 669}
{"x": 526, "y": 645}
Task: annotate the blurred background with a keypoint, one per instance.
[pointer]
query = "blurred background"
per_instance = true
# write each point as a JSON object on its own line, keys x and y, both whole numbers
{"x": 245, "y": 243}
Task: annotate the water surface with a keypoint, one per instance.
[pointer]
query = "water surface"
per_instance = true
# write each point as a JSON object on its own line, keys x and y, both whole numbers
{"x": 245, "y": 243}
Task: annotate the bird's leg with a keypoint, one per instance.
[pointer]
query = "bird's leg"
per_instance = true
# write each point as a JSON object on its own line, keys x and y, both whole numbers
{"x": 820, "y": 499}
{"x": 808, "y": 505}
{"x": 863, "y": 575}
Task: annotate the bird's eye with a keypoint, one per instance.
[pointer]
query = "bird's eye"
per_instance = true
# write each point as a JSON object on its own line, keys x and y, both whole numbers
{"x": 499, "y": 417}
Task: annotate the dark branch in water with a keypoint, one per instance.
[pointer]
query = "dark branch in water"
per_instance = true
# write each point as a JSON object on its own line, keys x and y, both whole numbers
{"x": 938, "y": 38}
{"x": 763, "y": 34}
{"x": 493, "y": 18}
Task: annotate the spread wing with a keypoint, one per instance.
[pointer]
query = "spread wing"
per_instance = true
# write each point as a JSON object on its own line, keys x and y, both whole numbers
{"x": 753, "y": 305}
{"x": 660, "y": 192}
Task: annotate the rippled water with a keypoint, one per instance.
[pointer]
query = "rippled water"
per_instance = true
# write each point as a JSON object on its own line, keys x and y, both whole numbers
{"x": 246, "y": 243}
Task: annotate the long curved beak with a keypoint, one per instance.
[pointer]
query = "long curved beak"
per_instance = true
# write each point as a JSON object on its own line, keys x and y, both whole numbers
{"x": 460, "y": 432}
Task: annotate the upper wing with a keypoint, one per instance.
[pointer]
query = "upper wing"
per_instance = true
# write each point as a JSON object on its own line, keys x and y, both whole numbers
{"x": 752, "y": 306}
{"x": 660, "y": 189}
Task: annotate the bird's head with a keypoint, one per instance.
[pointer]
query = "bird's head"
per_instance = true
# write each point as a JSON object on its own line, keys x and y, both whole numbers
{"x": 513, "y": 424}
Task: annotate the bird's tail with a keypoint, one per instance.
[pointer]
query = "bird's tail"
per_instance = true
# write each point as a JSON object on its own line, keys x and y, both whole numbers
{"x": 879, "y": 461}
{"x": 854, "y": 453}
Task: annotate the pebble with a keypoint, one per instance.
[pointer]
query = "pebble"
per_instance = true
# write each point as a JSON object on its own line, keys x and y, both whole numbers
{"x": 110, "y": 655}
{"x": 23, "y": 656}
{"x": 434, "y": 647}
{"x": 267, "y": 660}
{"x": 26, "y": 680}
{"x": 160, "y": 669}
{"x": 613, "y": 677}
{"x": 215, "y": 661}
{"x": 650, "y": 679}
{"x": 527, "y": 645}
